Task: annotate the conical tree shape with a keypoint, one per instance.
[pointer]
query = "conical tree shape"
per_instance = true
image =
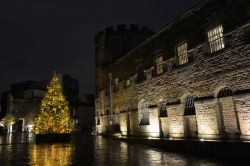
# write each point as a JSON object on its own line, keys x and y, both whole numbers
{"x": 54, "y": 114}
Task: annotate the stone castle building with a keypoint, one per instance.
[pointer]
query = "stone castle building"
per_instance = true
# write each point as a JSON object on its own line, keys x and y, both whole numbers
{"x": 24, "y": 98}
{"x": 189, "y": 80}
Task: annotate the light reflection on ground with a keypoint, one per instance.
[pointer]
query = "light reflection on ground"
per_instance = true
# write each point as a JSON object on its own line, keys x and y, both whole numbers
{"x": 48, "y": 155}
{"x": 90, "y": 150}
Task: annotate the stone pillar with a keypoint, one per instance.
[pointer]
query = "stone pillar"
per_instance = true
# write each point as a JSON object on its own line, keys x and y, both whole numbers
{"x": 208, "y": 119}
{"x": 133, "y": 121}
{"x": 154, "y": 127}
{"x": 104, "y": 127}
{"x": 190, "y": 126}
{"x": 124, "y": 123}
{"x": 151, "y": 130}
{"x": 229, "y": 118}
{"x": 176, "y": 121}
{"x": 164, "y": 126}
{"x": 242, "y": 104}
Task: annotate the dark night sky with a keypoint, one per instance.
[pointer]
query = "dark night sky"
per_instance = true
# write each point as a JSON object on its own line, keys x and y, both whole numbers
{"x": 37, "y": 37}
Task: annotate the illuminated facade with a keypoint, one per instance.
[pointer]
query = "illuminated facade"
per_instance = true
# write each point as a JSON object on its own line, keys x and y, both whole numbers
{"x": 202, "y": 89}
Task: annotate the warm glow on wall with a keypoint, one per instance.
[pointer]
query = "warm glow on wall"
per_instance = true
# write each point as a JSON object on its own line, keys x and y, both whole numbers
{"x": 123, "y": 123}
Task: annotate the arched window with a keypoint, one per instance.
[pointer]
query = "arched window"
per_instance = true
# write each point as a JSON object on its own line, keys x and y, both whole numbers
{"x": 225, "y": 92}
{"x": 143, "y": 113}
{"x": 189, "y": 106}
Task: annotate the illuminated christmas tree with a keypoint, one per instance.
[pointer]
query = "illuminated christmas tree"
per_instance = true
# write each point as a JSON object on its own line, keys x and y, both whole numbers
{"x": 54, "y": 115}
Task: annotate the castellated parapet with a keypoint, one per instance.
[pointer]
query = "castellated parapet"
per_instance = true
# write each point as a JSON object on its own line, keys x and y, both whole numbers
{"x": 189, "y": 80}
{"x": 112, "y": 43}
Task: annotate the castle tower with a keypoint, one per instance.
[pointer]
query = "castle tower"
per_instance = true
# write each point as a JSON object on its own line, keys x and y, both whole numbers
{"x": 112, "y": 43}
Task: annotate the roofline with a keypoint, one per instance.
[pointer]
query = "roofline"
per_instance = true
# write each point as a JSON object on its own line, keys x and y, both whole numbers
{"x": 167, "y": 26}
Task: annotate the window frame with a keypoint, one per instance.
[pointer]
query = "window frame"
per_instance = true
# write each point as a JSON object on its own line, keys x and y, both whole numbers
{"x": 160, "y": 65}
{"x": 177, "y": 55}
{"x": 207, "y": 38}
{"x": 125, "y": 83}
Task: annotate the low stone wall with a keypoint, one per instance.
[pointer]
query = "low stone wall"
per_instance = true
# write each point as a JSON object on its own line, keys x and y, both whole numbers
{"x": 151, "y": 130}
{"x": 176, "y": 121}
{"x": 216, "y": 118}
{"x": 190, "y": 124}
{"x": 164, "y": 123}
{"x": 208, "y": 119}
{"x": 103, "y": 128}
{"x": 124, "y": 124}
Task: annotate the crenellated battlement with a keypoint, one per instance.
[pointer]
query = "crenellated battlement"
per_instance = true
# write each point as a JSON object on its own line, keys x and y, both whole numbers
{"x": 120, "y": 29}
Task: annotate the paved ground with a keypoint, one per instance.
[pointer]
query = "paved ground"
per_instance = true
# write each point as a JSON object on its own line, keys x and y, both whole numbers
{"x": 90, "y": 150}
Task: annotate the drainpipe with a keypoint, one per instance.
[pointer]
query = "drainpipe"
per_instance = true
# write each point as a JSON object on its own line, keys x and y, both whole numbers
{"x": 110, "y": 97}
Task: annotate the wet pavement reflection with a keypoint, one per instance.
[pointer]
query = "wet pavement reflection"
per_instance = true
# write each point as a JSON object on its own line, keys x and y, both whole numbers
{"x": 51, "y": 155}
{"x": 89, "y": 150}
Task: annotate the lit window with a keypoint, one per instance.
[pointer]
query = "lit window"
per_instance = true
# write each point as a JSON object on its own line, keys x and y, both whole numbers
{"x": 127, "y": 83}
{"x": 182, "y": 53}
{"x": 215, "y": 39}
{"x": 159, "y": 64}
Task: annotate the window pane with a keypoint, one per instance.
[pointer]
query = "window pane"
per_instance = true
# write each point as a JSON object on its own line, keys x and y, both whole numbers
{"x": 127, "y": 83}
{"x": 215, "y": 39}
{"x": 182, "y": 53}
{"x": 159, "y": 64}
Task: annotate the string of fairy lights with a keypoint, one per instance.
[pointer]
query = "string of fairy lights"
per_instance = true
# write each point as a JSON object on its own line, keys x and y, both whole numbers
{"x": 54, "y": 114}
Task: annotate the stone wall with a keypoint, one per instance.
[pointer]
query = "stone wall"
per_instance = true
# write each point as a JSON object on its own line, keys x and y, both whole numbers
{"x": 164, "y": 123}
{"x": 208, "y": 119}
{"x": 151, "y": 130}
{"x": 242, "y": 103}
{"x": 191, "y": 129}
{"x": 229, "y": 117}
{"x": 124, "y": 124}
{"x": 176, "y": 121}
{"x": 104, "y": 127}
{"x": 202, "y": 78}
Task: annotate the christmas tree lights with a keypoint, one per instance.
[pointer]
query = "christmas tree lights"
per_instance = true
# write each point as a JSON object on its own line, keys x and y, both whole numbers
{"x": 54, "y": 115}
